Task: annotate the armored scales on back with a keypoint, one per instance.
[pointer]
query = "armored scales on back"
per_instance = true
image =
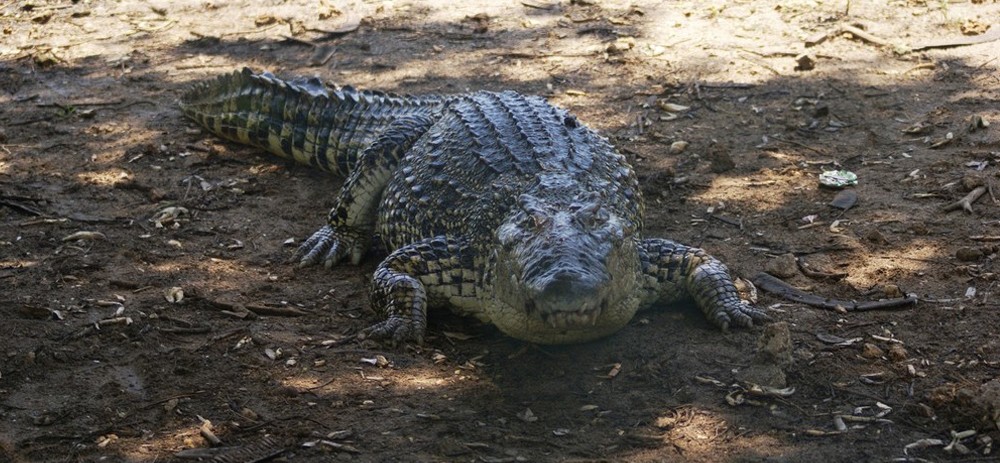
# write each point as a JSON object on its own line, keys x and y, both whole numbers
{"x": 497, "y": 205}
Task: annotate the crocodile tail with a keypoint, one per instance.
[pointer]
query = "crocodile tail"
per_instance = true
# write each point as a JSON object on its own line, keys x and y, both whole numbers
{"x": 300, "y": 119}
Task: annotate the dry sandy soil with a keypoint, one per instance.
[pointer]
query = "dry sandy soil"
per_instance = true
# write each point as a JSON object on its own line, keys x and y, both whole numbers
{"x": 97, "y": 365}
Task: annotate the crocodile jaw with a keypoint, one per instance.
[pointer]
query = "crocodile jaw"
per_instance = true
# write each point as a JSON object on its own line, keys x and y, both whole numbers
{"x": 564, "y": 327}
{"x": 579, "y": 319}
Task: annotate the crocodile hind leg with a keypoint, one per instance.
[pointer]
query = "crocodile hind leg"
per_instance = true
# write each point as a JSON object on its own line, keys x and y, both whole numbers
{"x": 674, "y": 271}
{"x": 352, "y": 220}
{"x": 435, "y": 271}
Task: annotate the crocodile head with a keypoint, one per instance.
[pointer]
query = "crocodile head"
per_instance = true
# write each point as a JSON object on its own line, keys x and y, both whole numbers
{"x": 565, "y": 271}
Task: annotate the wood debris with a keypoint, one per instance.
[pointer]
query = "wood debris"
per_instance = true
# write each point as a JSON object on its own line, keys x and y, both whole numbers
{"x": 779, "y": 288}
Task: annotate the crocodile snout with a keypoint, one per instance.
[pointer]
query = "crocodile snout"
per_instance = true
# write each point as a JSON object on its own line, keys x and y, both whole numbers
{"x": 570, "y": 300}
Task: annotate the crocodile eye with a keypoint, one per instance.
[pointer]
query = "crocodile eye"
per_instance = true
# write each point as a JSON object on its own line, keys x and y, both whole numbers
{"x": 537, "y": 215}
{"x": 537, "y": 220}
{"x": 570, "y": 122}
{"x": 592, "y": 216}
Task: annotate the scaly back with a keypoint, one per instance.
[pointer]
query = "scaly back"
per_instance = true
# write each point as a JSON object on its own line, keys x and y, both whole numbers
{"x": 299, "y": 119}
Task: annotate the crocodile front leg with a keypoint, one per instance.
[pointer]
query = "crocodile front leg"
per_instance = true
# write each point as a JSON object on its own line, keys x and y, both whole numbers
{"x": 435, "y": 271}
{"x": 352, "y": 219}
{"x": 674, "y": 271}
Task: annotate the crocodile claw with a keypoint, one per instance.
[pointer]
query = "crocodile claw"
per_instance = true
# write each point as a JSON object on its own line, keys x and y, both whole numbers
{"x": 329, "y": 246}
{"x": 396, "y": 330}
{"x": 741, "y": 314}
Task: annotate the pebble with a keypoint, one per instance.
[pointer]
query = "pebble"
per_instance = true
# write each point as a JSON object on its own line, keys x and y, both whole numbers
{"x": 720, "y": 161}
{"x": 774, "y": 355}
{"x": 845, "y": 199}
{"x": 678, "y": 147}
{"x": 805, "y": 62}
{"x": 876, "y": 237}
{"x": 988, "y": 399}
{"x": 871, "y": 351}
{"x": 897, "y": 353}
{"x": 783, "y": 266}
{"x": 971, "y": 182}
{"x": 969, "y": 254}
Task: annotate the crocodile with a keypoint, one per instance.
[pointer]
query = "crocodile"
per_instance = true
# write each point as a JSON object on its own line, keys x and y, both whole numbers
{"x": 497, "y": 205}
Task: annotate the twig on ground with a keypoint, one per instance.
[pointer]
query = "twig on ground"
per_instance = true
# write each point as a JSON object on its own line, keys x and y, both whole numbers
{"x": 966, "y": 202}
{"x": 297, "y": 40}
{"x": 283, "y": 311}
{"x": 206, "y": 431}
{"x": 801, "y": 145}
{"x": 809, "y": 272}
{"x": 992, "y": 35}
{"x": 21, "y": 207}
{"x": 920, "y": 66}
{"x": 816, "y": 39}
{"x": 727, "y": 220}
{"x": 778, "y": 287}
{"x": 534, "y": 55}
{"x": 539, "y": 6}
{"x": 870, "y": 38}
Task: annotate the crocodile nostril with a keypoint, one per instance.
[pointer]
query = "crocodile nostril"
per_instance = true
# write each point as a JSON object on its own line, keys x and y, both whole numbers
{"x": 561, "y": 285}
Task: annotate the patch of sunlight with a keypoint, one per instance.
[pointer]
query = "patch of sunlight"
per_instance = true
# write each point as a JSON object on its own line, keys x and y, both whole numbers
{"x": 428, "y": 69}
{"x": 4, "y": 167}
{"x": 212, "y": 273}
{"x": 696, "y": 431}
{"x": 150, "y": 445}
{"x": 760, "y": 193}
{"x": 423, "y": 381}
{"x": 314, "y": 384}
{"x": 877, "y": 267}
{"x": 408, "y": 379}
{"x": 212, "y": 265}
{"x": 17, "y": 263}
{"x": 108, "y": 177}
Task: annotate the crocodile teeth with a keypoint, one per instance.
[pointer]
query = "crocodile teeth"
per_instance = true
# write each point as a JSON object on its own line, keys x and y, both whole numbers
{"x": 564, "y": 320}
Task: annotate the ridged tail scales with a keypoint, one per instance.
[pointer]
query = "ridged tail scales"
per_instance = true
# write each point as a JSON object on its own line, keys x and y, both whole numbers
{"x": 675, "y": 272}
{"x": 300, "y": 119}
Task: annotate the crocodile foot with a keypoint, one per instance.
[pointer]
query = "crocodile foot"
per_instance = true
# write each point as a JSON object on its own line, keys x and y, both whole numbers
{"x": 396, "y": 330}
{"x": 740, "y": 314}
{"x": 330, "y": 245}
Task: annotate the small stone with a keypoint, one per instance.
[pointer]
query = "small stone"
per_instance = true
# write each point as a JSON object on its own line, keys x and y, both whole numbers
{"x": 776, "y": 344}
{"x": 871, "y": 351}
{"x": 971, "y": 182}
{"x": 890, "y": 290}
{"x": 720, "y": 161}
{"x": 845, "y": 199}
{"x": 621, "y": 45}
{"x": 804, "y": 354}
{"x": 977, "y": 123}
{"x": 678, "y": 147}
{"x": 876, "y": 237}
{"x": 987, "y": 399}
{"x": 156, "y": 195}
{"x": 897, "y": 353}
{"x": 919, "y": 229}
{"x": 924, "y": 410}
{"x": 805, "y": 62}
{"x": 774, "y": 354}
{"x": 967, "y": 254}
{"x": 783, "y": 266}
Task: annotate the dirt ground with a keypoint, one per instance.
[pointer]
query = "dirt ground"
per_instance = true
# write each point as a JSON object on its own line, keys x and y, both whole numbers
{"x": 134, "y": 330}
